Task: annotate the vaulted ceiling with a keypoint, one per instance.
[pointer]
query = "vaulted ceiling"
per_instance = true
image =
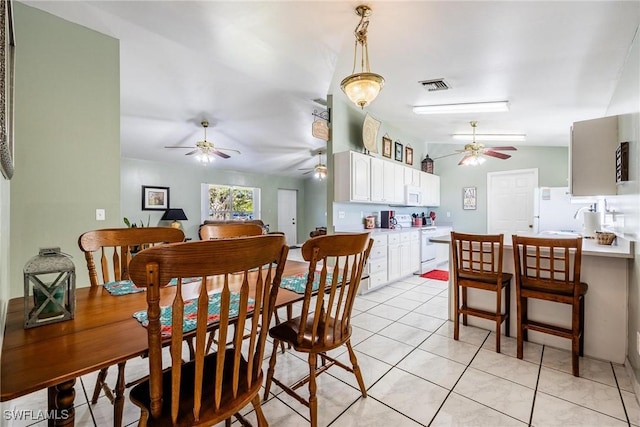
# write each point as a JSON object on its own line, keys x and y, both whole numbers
{"x": 253, "y": 69}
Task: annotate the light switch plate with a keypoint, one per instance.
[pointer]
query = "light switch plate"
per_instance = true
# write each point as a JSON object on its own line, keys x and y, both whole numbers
{"x": 100, "y": 215}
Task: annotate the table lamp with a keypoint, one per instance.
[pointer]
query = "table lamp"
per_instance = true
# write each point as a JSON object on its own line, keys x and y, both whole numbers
{"x": 174, "y": 215}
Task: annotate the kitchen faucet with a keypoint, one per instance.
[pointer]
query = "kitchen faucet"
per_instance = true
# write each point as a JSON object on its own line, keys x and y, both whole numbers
{"x": 591, "y": 208}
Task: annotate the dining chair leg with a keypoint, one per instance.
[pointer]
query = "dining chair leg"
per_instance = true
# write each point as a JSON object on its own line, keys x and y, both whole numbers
{"x": 456, "y": 311}
{"x": 100, "y": 384}
{"x": 498, "y": 316}
{"x": 582, "y": 326}
{"x": 356, "y": 369}
{"x": 262, "y": 421}
{"x": 464, "y": 305}
{"x": 271, "y": 370}
{"x": 313, "y": 399}
{"x": 520, "y": 337}
{"x": 118, "y": 402}
{"x": 507, "y": 311}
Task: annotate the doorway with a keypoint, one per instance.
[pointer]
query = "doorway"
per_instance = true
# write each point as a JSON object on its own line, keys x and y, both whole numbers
{"x": 510, "y": 201}
{"x": 287, "y": 215}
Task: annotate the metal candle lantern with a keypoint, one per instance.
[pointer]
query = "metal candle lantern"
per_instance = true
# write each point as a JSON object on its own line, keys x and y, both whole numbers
{"x": 49, "y": 288}
{"x": 427, "y": 164}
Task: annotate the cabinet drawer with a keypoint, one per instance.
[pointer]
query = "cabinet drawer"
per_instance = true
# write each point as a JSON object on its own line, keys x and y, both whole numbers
{"x": 394, "y": 238}
{"x": 415, "y": 235}
{"x": 377, "y": 279}
{"x": 378, "y": 265}
{"x": 378, "y": 240}
{"x": 378, "y": 251}
{"x": 405, "y": 237}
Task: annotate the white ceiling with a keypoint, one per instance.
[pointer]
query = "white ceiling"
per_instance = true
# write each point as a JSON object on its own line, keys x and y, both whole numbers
{"x": 253, "y": 69}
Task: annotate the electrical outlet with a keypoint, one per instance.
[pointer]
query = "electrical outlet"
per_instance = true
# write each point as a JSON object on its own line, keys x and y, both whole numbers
{"x": 448, "y": 214}
{"x": 340, "y": 214}
{"x": 100, "y": 215}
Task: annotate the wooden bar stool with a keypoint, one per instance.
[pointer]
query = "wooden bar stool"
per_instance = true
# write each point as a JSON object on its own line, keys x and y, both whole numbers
{"x": 546, "y": 270}
{"x": 477, "y": 264}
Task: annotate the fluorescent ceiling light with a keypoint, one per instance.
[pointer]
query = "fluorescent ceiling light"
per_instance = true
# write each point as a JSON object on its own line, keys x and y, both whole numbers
{"x": 490, "y": 137}
{"x": 476, "y": 107}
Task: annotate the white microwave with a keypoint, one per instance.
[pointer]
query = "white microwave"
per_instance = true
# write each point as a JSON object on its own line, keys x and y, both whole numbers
{"x": 412, "y": 195}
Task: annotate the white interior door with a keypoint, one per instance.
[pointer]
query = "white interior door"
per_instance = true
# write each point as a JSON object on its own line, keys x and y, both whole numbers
{"x": 510, "y": 201}
{"x": 287, "y": 218}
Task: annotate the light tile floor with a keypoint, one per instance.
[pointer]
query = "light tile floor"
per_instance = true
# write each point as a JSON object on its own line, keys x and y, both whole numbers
{"x": 416, "y": 374}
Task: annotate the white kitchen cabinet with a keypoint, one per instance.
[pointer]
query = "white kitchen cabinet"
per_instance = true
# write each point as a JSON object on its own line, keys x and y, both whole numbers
{"x": 393, "y": 257}
{"x": 398, "y": 185}
{"x": 430, "y": 185}
{"x": 592, "y": 155}
{"x": 352, "y": 177}
{"x": 383, "y": 180}
{"x": 414, "y": 244}
{"x": 376, "y": 265}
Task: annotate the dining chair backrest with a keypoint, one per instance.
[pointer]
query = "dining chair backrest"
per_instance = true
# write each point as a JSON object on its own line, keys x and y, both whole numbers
{"x": 477, "y": 254}
{"x": 548, "y": 263}
{"x": 224, "y": 231}
{"x": 114, "y": 246}
{"x": 240, "y": 281}
{"x": 340, "y": 260}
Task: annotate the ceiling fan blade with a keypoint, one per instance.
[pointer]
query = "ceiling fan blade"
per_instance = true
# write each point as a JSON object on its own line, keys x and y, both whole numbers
{"x": 227, "y": 149}
{"x": 464, "y": 158}
{"x": 192, "y": 152}
{"x": 178, "y": 146}
{"x": 502, "y": 148}
{"x": 447, "y": 155}
{"x": 496, "y": 154}
{"x": 308, "y": 172}
{"x": 221, "y": 154}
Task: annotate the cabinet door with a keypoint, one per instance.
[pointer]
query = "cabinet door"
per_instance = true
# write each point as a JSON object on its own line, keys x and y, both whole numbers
{"x": 405, "y": 259}
{"x": 393, "y": 259}
{"x": 377, "y": 179}
{"x": 398, "y": 185}
{"x": 430, "y": 185}
{"x": 592, "y": 157}
{"x": 360, "y": 182}
{"x": 389, "y": 184}
{"x": 415, "y": 252}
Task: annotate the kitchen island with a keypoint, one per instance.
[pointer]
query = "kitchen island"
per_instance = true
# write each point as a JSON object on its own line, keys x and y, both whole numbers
{"x": 605, "y": 269}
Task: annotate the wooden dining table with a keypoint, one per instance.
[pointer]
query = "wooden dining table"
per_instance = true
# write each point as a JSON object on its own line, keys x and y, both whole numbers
{"x": 102, "y": 333}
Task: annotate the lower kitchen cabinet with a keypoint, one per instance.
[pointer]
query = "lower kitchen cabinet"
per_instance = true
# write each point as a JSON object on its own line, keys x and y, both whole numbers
{"x": 394, "y": 255}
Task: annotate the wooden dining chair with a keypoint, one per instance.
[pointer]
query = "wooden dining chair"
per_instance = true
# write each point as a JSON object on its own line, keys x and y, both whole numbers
{"x": 223, "y": 231}
{"x": 549, "y": 270}
{"x": 477, "y": 264}
{"x": 108, "y": 253}
{"x": 240, "y": 282}
{"x": 325, "y": 319}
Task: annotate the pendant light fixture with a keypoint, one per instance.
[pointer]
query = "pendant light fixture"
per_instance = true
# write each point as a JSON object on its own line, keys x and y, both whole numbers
{"x": 363, "y": 87}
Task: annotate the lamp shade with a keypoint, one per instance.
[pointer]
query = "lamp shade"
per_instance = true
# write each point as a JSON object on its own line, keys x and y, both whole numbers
{"x": 174, "y": 215}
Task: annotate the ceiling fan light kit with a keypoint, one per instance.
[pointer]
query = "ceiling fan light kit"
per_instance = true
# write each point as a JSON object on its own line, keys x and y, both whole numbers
{"x": 205, "y": 150}
{"x": 474, "y": 152}
{"x": 473, "y": 107}
{"x": 363, "y": 87}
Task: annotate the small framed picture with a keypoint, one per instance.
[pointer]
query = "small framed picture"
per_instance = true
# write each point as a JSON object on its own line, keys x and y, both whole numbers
{"x": 408, "y": 155}
{"x": 469, "y": 198}
{"x": 398, "y": 151}
{"x": 155, "y": 198}
{"x": 386, "y": 146}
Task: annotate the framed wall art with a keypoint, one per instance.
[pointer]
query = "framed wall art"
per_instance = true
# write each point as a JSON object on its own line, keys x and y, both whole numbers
{"x": 469, "y": 198}
{"x": 386, "y": 146}
{"x": 7, "y": 54}
{"x": 398, "y": 151}
{"x": 155, "y": 198}
{"x": 408, "y": 155}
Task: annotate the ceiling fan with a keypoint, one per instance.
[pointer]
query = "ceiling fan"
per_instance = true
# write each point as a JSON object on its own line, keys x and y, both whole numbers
{"x": 205, "y": 149}
{"x": 474, "y": 151}
{"x": 320, "y": 169}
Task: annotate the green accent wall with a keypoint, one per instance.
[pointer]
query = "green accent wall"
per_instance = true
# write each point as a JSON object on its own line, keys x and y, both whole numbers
{"x": 67, "y": 138}
{"x": 184, "y": 182}
{"x": 552, "y": 164}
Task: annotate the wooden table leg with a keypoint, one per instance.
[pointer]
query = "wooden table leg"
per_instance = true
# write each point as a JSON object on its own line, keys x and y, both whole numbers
{"x": 118, "y": 402}
{"x": 61, "y": 397}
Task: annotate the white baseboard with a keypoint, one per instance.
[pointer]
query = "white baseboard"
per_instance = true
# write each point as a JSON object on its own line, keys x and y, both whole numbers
{"x": 634, "y": 380}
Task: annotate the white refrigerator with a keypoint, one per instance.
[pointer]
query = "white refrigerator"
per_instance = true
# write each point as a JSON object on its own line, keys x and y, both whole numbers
{"x": 553, "y": 211}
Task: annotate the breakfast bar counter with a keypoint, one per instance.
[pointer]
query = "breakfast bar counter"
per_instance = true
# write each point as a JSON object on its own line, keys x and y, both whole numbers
{"x": 605, "y": 269}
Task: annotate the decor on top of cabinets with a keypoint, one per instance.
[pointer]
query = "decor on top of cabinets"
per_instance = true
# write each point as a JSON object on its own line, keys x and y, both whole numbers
{"x": 398, "y": 146}
{"x": 469, "y": 198}
{"x": 155, "y": 198}
{"x": 427, "y": 164}
{"x": 622, "y": 162}
{"x": 386, "y": 146}
{"x": 408, "y": 155}
{"x": 370, "y": 134}
{"x": 7, "y": 54}
{"x": 363, "y": 87}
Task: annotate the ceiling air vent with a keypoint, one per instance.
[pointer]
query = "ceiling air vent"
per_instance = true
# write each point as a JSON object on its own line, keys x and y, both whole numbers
{"x": 433, "y": 85}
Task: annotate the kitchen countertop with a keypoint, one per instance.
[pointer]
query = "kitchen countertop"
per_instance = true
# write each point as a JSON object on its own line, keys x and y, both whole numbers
{"x": 621, "y": 248}
{"x": 444, "y": 229}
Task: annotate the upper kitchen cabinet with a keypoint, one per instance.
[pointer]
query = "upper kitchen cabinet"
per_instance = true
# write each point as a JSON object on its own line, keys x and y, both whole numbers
{"x": 430, "y": 185}
{"x": 352, "y": 177}
{"x": 592, "y": 157}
